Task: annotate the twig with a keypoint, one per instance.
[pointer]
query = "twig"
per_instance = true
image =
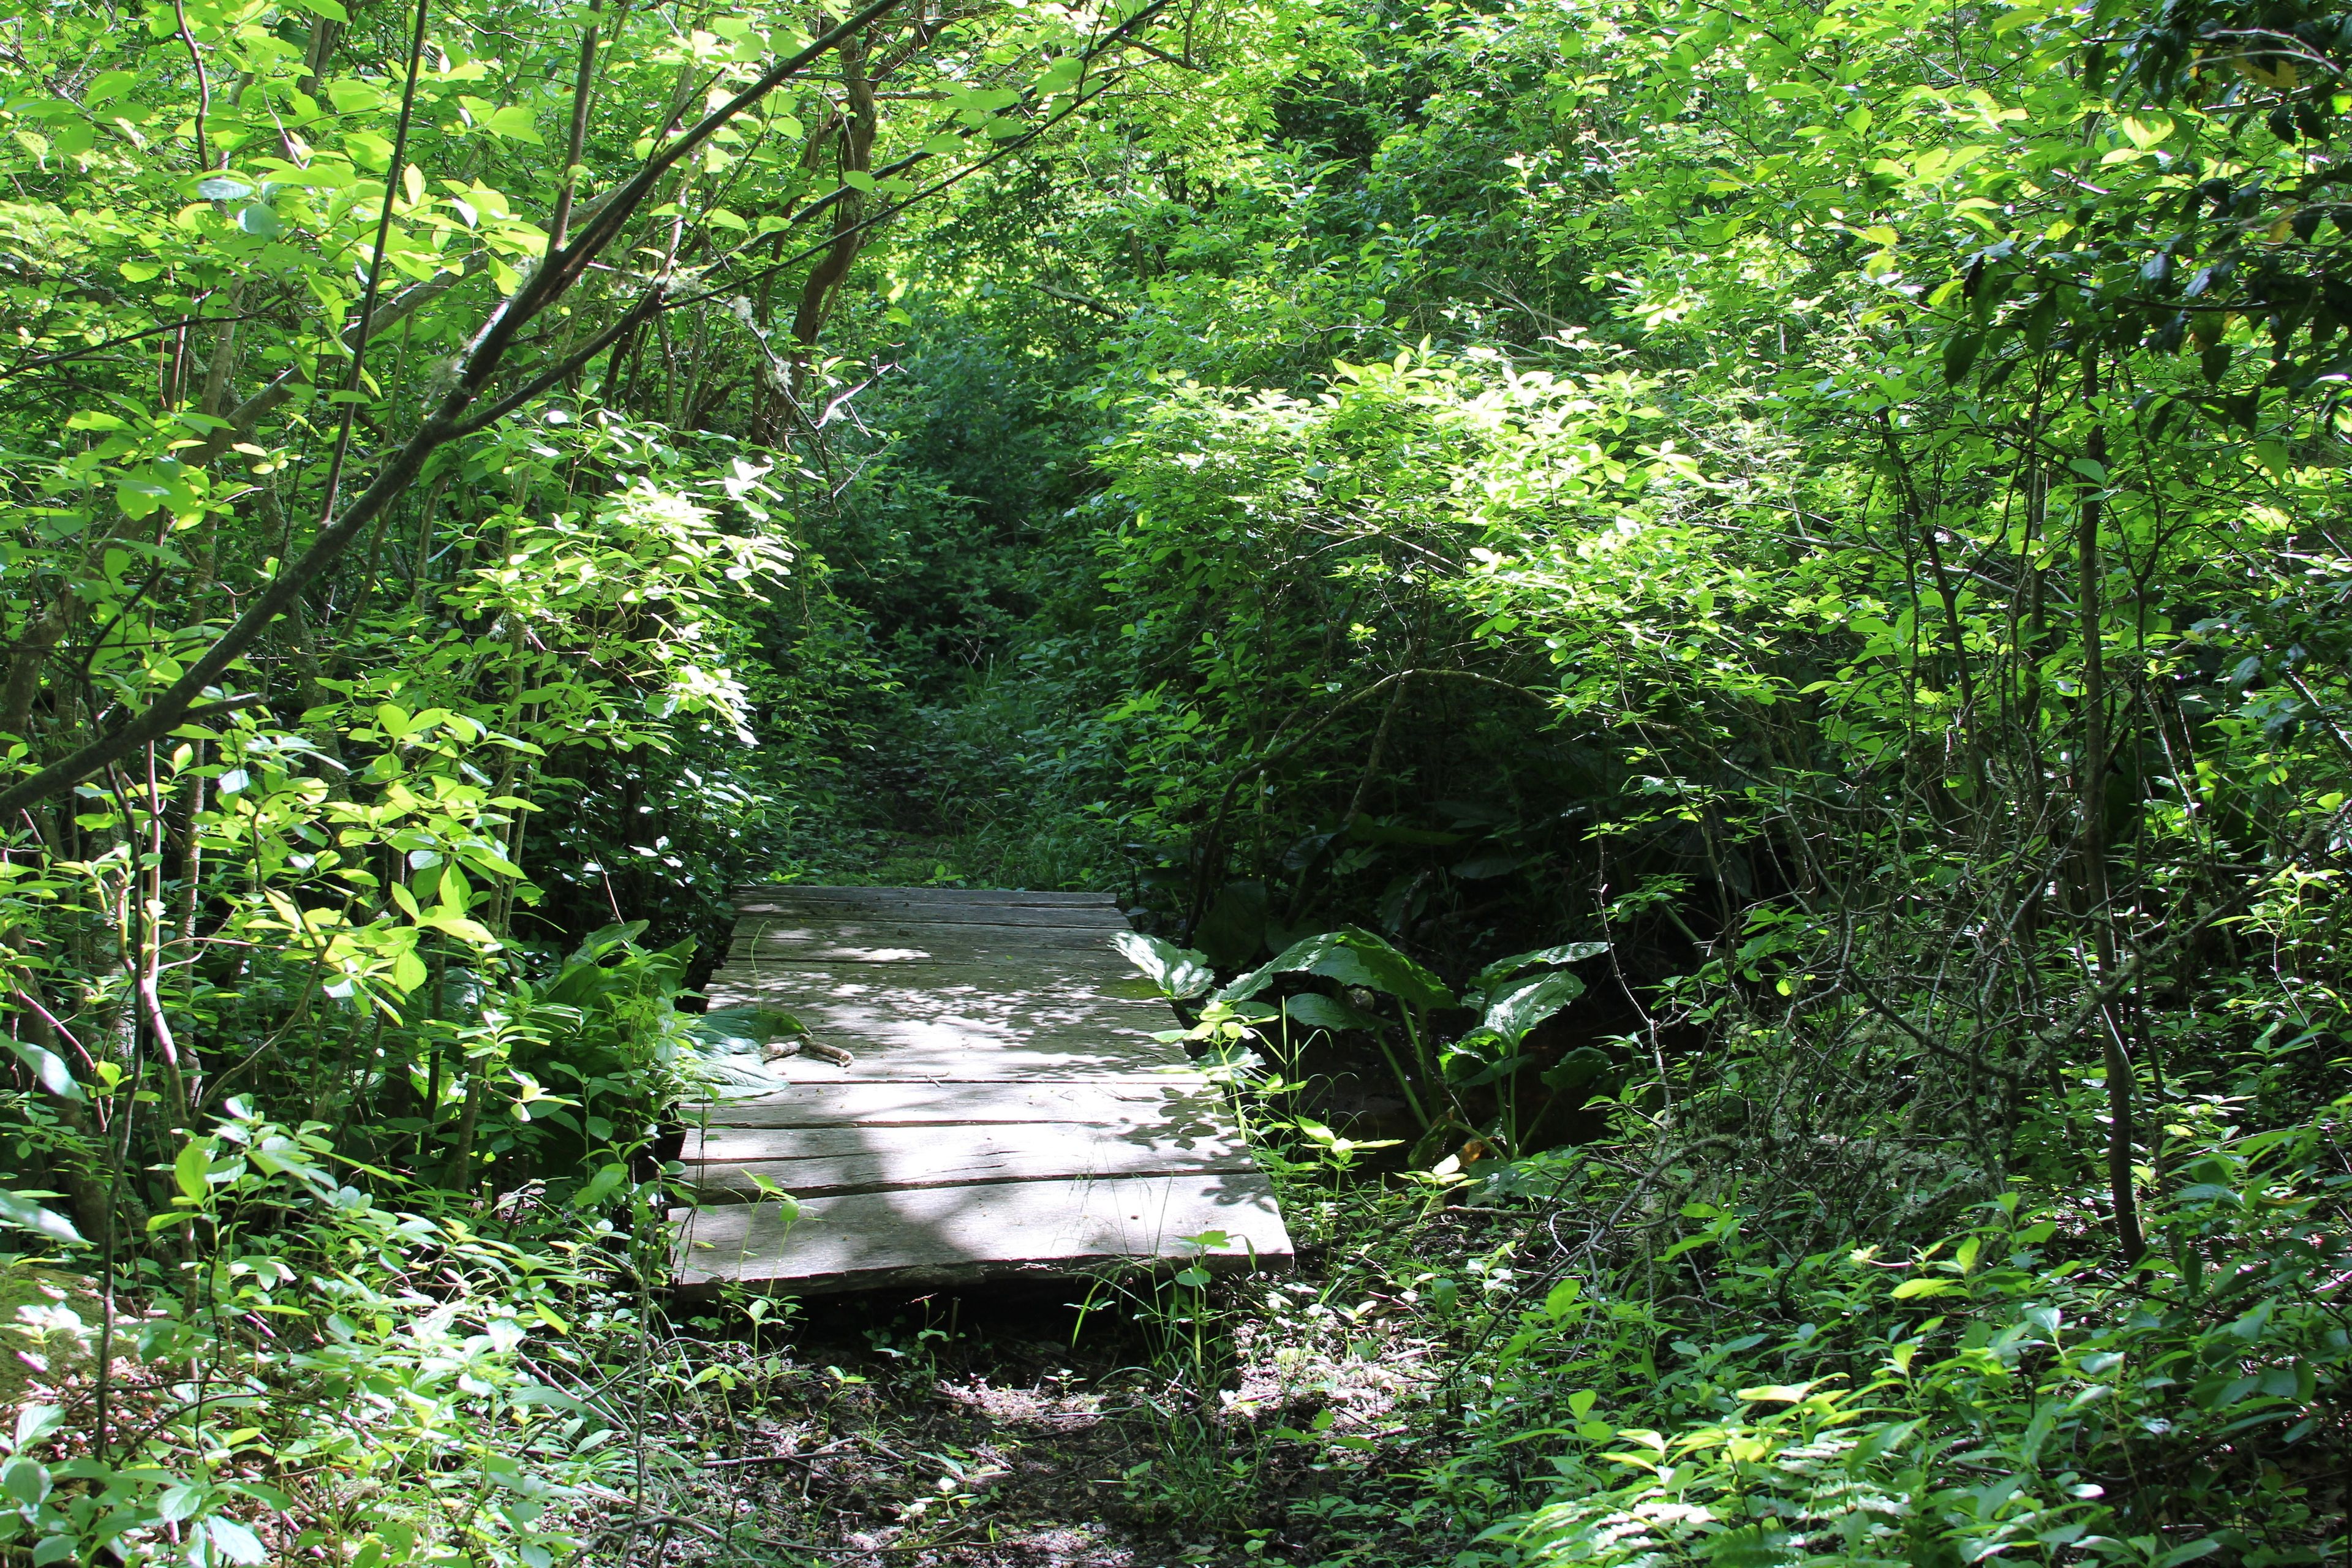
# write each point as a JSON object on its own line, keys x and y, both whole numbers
{"x": 776, "y": 1459}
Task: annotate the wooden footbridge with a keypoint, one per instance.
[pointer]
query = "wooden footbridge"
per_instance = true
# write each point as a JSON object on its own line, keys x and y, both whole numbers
{"x": 1002, "y": 1109}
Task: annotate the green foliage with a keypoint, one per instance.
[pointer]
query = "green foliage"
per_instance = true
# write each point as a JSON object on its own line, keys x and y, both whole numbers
{"x": 380, "y": 1421}
{"x": 431, "y": 391}
{"x": 1743, "y": 608}
{"x": 1997, "y": 1392}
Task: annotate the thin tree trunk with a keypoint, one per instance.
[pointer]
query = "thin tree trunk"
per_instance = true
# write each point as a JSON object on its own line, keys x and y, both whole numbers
{"x": 2089, "y": 566}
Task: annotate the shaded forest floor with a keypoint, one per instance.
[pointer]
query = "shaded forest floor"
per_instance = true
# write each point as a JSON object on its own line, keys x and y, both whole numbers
{"x": 1293, "y": 1420}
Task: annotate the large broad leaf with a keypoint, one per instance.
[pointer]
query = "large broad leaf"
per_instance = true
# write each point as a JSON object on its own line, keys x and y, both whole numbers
{"x": 1179, "y": 972}
{"x": 1482, "y": 1056}
{"x": 1352, "y": 956}
{"x": 1314, "y": 1010}
{"x": 1361, "y": 958}
{"x": 1576, "y": 1069}
{"x": 729, "y": 1045}
{"x": 605, "y": 939}
{"x": 1502, "y": 969}
{"x": 18, "y": 1210}
{"x": 743, "y": 1030}
{"x": 1523, "y": 1004}
{"x": 1258, "y": 979}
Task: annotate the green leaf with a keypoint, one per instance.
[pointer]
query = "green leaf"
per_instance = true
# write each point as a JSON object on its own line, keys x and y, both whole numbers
{"x": 465, "y": 930}
{"x": 1576, "y": 1069}
{"x": 49, "y": 1068}
{"x": 516, "y": 124}
{"x": 1519, "y": 1007}
{"x": 744, "y": 1029}
{"x": 599, "y": 1186}
{"x": 858, "y": 179}
{"x": 190, "y": 1170}
{"x": 1502, "y": 969}
{"x": 22, "y": 1212}
{"x": 1179, "y": 972}
{"x": 1316, "y": 1011}
{"x": 367, "y": 148}
{"x": 235, "y": 1541}
{"x": 1961, "y": 355}
{"x": 182, "y": 1501}
{"x": 1136, "y": 990}
{"x": 1352, "y": 956}
{"x": 35, "y": 1423}
{"x": 1777, "y": 1393}
{"x": 26, "y": 1480}
{"x": 259, "y": 221}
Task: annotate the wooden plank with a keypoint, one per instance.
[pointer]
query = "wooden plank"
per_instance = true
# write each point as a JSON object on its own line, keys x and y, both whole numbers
{"x": 805, "y": 924}
{"x": 937, "y": 1039}
{"x": 1005, "y": 962}
{"x": 1001, "y": 965}
{"x": 824, "y": 1162}
{"x": 1047, "y": 980}
{"x": 1173, "y": 1103}
{"x": 1001, "y": 957}
{"x": 890, "y": 902}
{"x": 777, "y": 935}
{"x": 919, "y": 898}
{"x": 829, "y": 916}
{"x": 949, "y": 1066}
{"x": 1080, "y": 975}
{"x": 900, "y": 987}
{"x": 865, "y": 1000}
{"x": 1080, "y": 979}
{"x": 928, "y": 1026}
{"x": 854, "y": 892}
{"x": 960, "y": 1049}
{"x": 945, "y": 1236}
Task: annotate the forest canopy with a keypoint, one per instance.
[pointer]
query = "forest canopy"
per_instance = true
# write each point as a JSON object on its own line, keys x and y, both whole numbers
{"x": 1711, "y": 648}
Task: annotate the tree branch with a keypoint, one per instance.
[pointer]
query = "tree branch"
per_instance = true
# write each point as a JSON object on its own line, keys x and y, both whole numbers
{"x": 548, "y": 284}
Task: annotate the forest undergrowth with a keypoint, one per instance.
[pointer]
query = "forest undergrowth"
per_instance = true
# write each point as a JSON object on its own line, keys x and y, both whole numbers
{"x": 1711, "y": 649}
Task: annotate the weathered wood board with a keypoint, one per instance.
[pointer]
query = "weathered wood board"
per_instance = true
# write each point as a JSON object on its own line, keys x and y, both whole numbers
{"x": 943, "y": 1235}
{"x": 1006, "y": 1111}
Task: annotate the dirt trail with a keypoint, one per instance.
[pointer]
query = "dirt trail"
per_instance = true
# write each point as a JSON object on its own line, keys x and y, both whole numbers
{"x": 1026, "y": 1428}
